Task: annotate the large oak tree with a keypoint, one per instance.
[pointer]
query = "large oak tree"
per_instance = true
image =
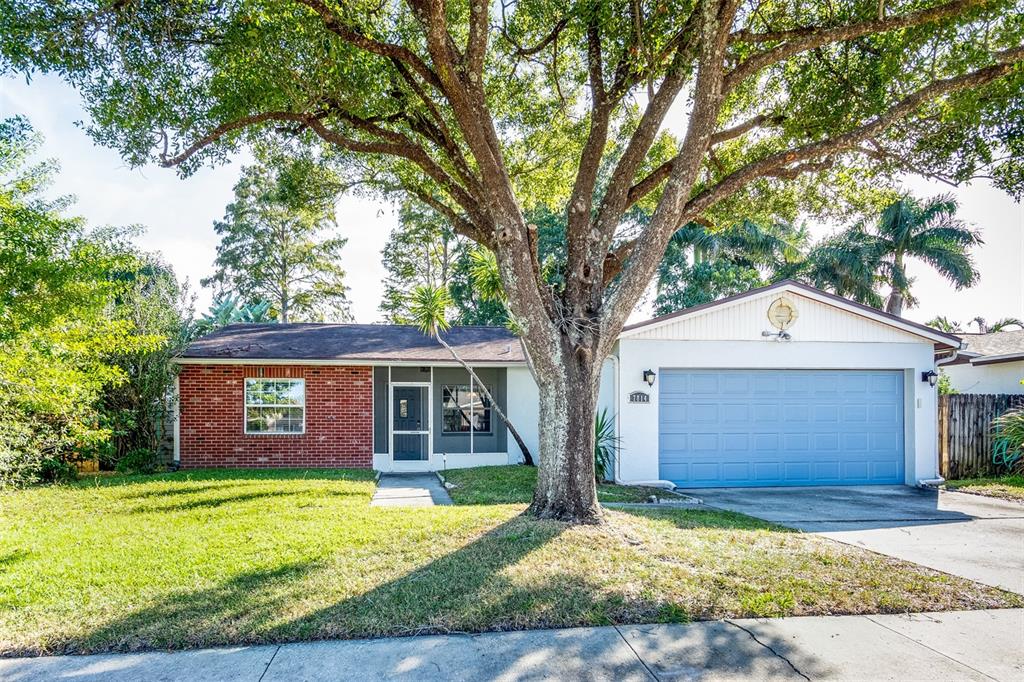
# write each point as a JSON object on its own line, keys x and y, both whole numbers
{"x": 475, "y": 108}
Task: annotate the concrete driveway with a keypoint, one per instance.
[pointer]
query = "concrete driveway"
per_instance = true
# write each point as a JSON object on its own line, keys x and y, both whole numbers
{"x": 976, "y": 537}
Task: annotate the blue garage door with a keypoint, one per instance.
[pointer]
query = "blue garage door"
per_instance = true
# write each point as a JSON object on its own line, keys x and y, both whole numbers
{"x": 719, "y": 428}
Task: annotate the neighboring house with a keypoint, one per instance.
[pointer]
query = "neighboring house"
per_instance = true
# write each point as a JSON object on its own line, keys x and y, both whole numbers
{"x": 989, "y": 363}
{"x": 709, "y": 396}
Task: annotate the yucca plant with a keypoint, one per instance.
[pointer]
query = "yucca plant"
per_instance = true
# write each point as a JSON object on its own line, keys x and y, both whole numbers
{"x": 606, "y": 444}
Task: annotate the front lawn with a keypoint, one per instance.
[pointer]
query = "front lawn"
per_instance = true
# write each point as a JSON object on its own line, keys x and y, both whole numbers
{"x": 514, "y": 484}
{"x": 205, "y": 558}
{"x": 1003, "y": 487}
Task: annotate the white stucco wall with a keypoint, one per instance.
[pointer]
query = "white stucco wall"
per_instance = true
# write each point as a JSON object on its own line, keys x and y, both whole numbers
{"x": 639, "y": 422}
{"x": 522, "y": 411}
{"x": 523, "y": 407}
{"x": 999, "y": 378}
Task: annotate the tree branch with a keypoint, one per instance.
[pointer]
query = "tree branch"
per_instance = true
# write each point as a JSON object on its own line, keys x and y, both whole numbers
{"x": 476, "y": 43}
{"x": 1005, "y": 64}
{"x": 803, "y": 39}
{"x": 334, "y": 23}
{"x": 223, "y": 129}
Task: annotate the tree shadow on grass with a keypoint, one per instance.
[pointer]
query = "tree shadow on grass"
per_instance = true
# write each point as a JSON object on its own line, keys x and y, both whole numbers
{"x": 476, "y": 588}
{"x": 225, "y": 476}
{"x": 8, "y": 559}
{"x": 236, "y": 611}
{"x": 214, "y": 502}
{"x": 689, "y": 519}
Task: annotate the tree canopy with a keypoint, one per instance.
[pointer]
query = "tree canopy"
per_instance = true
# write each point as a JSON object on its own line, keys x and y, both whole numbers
{"x": 273, "y": 244}
{"x": 424, "y": 251}
{"x": 857, "y": 261}
{"x": 481, "y": 110}
{"x": 64, "y": 320}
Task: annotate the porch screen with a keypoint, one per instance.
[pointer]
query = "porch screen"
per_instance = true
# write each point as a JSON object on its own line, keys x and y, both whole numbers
{"x": 461, "y": 407}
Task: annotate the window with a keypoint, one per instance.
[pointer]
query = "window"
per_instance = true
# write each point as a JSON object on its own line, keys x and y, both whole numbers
{"x": 275, "y": 405}
{"x": 461, "y": 407}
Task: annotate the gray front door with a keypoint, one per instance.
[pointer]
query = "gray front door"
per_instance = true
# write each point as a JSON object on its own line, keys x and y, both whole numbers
{"x": 410, "y": 423}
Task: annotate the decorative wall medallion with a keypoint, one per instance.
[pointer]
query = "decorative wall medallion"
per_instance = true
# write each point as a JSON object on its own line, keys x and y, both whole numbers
{"x": 782, "y": 313}
{"x": 639, "y": 397}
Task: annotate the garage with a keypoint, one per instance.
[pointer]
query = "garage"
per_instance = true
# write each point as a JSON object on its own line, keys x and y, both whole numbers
{"x": 786, "y": 385}
{"x": 725, "y": 428}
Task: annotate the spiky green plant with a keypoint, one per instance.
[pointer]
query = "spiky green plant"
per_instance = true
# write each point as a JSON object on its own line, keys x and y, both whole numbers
{"x": 1008, "y": 441}
{"x": 606, "y": 444}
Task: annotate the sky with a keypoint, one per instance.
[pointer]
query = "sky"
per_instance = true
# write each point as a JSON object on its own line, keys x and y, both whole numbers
{"x": 178, "y": 215}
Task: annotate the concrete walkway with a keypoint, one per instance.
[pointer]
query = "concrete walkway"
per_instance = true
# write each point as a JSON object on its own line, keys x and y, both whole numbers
{"x": 965, "y": 645}
{"x": 975, "y": 537}
{"x": 409, "y": 490}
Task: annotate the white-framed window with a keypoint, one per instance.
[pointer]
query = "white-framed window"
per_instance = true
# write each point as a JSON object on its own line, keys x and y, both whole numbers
{"x": 275, "y": 406}
{"x": 461, "y": 407}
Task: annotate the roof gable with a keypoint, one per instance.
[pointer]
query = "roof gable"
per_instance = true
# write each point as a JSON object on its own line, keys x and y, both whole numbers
{"x": 822, "y": 317}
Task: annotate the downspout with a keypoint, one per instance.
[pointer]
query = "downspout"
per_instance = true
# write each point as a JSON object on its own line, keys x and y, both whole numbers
{"x": 615, "y": 406}
{"x": 177, "y": 420}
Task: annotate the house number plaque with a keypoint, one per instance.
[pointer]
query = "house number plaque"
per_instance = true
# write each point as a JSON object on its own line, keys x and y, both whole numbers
{"x": 639, "y": 397}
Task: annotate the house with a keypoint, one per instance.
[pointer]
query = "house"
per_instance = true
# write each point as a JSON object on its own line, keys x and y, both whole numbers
{"x": 783, "y": 385}
{"x": 989, "y": 363}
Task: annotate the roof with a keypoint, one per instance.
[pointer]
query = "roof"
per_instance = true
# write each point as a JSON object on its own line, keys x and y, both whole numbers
{"x": 992, "y": 348}
{"x": 995, "y": 343}
{"x": 940, "y": 338}
{"x": 352, "y": 342}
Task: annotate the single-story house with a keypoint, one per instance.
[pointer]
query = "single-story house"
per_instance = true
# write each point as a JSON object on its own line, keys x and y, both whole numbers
{"x": 988, "y": 363}
{"x": 783, "y": 385}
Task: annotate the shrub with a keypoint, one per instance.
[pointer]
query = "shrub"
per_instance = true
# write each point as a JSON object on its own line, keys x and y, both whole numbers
{"x": 1008, "y": 444}
{"x": 139, "y": 461}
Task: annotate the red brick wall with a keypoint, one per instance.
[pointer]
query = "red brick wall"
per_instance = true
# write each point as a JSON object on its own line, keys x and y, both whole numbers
{"x": 339, "y": 418}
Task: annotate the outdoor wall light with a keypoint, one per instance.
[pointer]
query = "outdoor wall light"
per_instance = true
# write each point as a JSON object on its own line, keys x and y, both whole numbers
{"x": 649, "y": 376}
{"x": 931, "y": 376}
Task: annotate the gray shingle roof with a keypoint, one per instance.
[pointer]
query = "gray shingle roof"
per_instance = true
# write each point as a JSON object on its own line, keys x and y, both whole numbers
{"x": 357, "y": 342}
{"x": 996, "y": 343}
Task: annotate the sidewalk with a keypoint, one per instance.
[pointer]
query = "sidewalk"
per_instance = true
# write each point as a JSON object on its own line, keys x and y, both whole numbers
{"x": 965, "y": 645}
{"x": 409, "y": 490}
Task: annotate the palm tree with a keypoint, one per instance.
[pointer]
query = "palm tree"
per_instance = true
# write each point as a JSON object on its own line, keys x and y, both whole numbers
{"x": 725, "y": 261}
{"x": 230, "y": 309}
{"x": 944, "y": 324}
{"x": 929, "y": 231}
{"x": 856, "y": 262}
{"x": 845, "y": 264}
{"x": 745, "y": 243}
{"x": 428, "y": 306}
{"x": 998, "y": 326}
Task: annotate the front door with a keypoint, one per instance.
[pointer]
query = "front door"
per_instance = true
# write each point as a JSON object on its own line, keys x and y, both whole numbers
{"x": 410, "y": 423}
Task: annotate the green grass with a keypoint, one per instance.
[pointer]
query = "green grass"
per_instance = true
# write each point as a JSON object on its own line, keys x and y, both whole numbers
{"x": 208, "y": 558}
{"x": 514, "y": 485}
{"x": 1004, "y": 487}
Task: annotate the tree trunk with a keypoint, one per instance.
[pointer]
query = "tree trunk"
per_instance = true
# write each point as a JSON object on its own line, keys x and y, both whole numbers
{"x": 894, "y": 304}
{"x": 566, "y": 487}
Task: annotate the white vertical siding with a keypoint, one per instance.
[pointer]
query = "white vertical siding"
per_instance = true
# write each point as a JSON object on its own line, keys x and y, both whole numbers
{"x": 747, "y": 318}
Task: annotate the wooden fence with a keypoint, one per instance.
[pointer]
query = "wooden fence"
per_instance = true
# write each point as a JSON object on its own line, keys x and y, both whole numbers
{"x": 965, "y": 432}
